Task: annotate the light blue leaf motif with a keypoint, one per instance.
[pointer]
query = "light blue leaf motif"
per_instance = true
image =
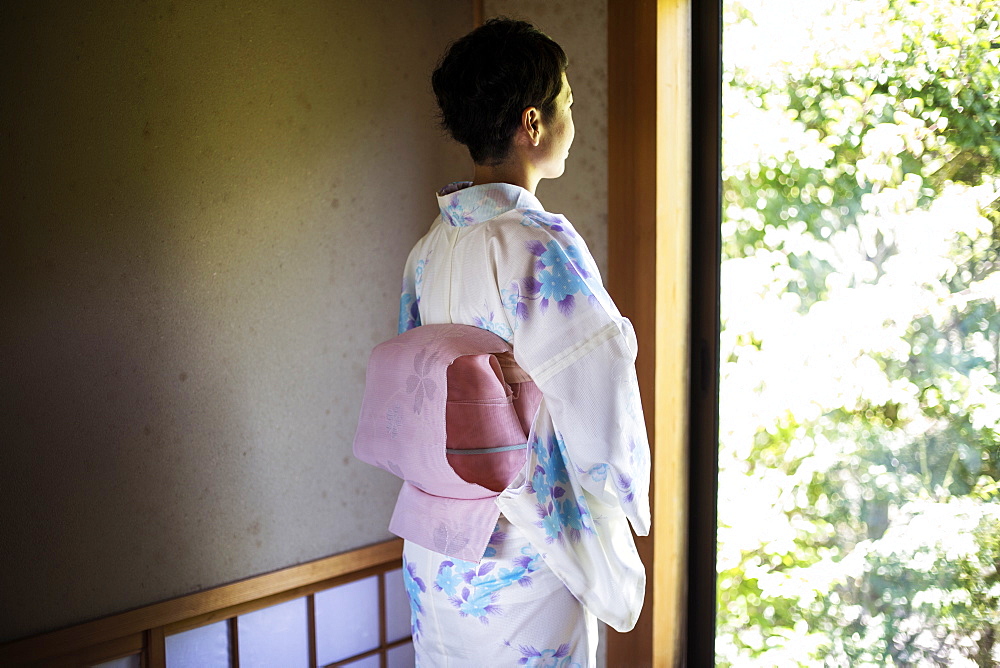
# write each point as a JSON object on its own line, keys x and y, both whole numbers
{"x": 515, "y": 303}
{"x": 561, "y": 515}
{"x": 418, "y": 275}
{"x": 490, "y": 324}
{"x": 598, "y": 472}
{"x": 474, "y": 589}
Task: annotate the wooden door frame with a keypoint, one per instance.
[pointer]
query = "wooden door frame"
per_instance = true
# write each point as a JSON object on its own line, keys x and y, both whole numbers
{"x": 664, "y": 212}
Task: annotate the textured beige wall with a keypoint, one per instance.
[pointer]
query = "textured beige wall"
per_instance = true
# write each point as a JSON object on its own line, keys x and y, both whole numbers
{"x": 205, "y": 211}
{"x": 581, "y": 28}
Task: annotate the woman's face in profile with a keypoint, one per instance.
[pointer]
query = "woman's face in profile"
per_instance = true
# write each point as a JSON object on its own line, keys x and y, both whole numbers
{"x": 559, "y": 134}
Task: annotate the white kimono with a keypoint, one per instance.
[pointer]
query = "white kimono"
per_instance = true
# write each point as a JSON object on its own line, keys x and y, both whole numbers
{"x": 562, "y": 552}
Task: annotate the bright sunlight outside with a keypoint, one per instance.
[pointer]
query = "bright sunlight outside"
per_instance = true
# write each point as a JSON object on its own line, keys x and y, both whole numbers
{"x": 859, "y": 505}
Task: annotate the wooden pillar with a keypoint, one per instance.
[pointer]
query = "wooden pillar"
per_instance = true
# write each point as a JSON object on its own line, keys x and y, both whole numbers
{"x": 649, "y": 224}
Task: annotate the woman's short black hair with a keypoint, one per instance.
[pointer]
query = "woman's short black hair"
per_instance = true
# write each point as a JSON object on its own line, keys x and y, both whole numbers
{"x": 489, "y": 77}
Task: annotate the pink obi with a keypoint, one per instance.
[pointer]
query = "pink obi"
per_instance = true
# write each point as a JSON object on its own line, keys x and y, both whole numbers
{"x": 447, "y": 410}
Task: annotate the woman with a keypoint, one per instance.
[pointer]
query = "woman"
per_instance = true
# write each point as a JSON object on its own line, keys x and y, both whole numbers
{"x": 561, "y": 554}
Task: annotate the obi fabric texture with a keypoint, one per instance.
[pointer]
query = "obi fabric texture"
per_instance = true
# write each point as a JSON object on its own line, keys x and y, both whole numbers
{"x": 439, "y": 413}
{"x": 495, "y": 259}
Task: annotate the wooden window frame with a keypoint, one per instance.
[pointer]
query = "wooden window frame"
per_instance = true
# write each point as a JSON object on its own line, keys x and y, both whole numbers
{"x": 144, "y": 630}
{"x": 664, "y": 213}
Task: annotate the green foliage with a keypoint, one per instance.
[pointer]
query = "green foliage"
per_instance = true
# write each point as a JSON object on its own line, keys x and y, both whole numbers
{"x": 860, "y": 396}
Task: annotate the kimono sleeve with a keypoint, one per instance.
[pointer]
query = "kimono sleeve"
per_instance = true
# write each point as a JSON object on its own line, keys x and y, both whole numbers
{"x": 409, "y": 296}
{"x": 571, "y": 339}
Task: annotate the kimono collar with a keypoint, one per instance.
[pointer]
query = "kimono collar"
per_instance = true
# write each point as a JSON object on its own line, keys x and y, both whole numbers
{"x": 463, "y": 204}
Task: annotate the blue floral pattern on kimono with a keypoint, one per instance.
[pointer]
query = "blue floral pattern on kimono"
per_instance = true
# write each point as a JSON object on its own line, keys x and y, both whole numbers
{"x": 491, "y": 324}
{"x": 414, "y": 588}
{"x": 552, "y": 221}
{"x": 560, "y": 277}
{"x": 409, "y": 313}
{"x": 545, "y": 658}
{"x": 475, "y": 588}
{"x": 562, "y": 515}
{"x": 496, "y": 260}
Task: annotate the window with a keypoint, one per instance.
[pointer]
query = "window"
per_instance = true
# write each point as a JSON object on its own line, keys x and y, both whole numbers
{"x": 352, "y": 624}
{"x": 350, "y": 609}
{"x": 859, "y": 521}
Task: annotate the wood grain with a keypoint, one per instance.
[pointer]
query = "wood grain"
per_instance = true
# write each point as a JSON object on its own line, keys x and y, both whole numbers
{"x": 673, "y": 271}
{"x": 155, "y": 648}
{"x": 648, "y": 268}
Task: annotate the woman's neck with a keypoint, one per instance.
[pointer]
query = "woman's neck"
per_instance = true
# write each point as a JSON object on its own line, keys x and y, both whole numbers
{"x": 507, "y": 172}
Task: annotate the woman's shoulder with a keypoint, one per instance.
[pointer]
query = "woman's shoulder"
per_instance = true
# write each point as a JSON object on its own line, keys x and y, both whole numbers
{"x": 544, "y": 239}
{"x": 533, "y": 224}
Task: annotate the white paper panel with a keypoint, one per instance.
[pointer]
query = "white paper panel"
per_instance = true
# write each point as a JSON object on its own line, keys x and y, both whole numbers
{"x": 397, "y": 607}
{"x": 124, "y": 662}
{"x": 346, "y": 620}
{"x": 401, "y": 657}
{"x": 203, "y": 647}
{"x": 367, "y": 662}
{"x": 275, "y": 636}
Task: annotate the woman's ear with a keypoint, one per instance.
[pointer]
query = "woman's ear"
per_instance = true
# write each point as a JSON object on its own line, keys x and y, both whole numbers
{"x": 531, "y": 125}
